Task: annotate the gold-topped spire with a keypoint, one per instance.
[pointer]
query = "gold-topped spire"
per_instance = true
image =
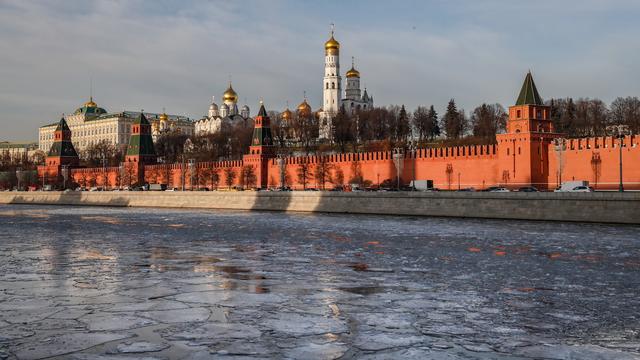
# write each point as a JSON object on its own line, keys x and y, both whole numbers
{"x": 353, "y": 72}
{"x": 332, "y": 46}
{"x": 230, "y": 94}
{"x": 90, "y": 103}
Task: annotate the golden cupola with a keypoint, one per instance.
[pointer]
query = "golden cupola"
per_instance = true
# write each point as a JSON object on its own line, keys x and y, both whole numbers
{"x": 304, "y": 108}
{"x": 90, "y": 103}
{"x": 332, "y": 46}
{"x": 353, "y": 72}
{"x": 163, "y": 117}
{"x": 286, "y": 114}
{"x": 230, "y": 95}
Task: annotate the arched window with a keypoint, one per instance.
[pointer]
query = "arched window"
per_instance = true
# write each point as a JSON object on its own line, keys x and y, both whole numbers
{"x": 333, "y": 85}
{"x": 327, "y": 86}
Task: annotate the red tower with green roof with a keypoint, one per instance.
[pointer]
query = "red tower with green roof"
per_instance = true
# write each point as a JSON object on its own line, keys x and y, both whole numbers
{"x": 140, "y": 150}
{"x": 524, "y": 149}
{"x": 261, "y": 149}
{"x": 62, "y": 151}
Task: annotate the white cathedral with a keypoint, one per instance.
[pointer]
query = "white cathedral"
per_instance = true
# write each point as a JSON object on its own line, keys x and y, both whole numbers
{"x": 227, "y": 113}
{"x": 352, "y": 99}
{"x": 332, "y": 96}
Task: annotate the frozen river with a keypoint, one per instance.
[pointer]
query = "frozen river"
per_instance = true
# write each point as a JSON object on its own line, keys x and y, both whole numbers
{"x": 114, "y": 283}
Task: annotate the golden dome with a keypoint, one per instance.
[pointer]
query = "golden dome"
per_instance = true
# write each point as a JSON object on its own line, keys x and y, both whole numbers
{"x": 332, "y": 46}
{"x": 353, "y": 73}
{"x": 90, "y": 103}
{"x": 286, "y": 115}
{"x": 230, "y": 95}
{"x": 163, "y": 117}
{"x": 304, "y": 108}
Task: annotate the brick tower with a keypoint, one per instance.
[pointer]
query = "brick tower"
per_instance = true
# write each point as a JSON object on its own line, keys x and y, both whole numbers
{"x": 62, "y": 151}
{"x": 140, "y": 150}
{"x": 62, "y": 154}
{"x": 261, "y": 149}
{"x": 524, "y": 149}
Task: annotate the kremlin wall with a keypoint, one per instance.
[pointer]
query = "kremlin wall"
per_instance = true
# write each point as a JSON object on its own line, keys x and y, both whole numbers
{"x": 527, "y": 154}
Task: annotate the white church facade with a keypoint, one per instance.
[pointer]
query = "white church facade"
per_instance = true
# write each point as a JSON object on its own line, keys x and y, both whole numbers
{"x": 227, "y": 113}
{"x": 333, "y": 97}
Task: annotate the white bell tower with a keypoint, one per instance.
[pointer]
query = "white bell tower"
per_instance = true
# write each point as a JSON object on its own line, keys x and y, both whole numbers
{"x": 332, "y": 85}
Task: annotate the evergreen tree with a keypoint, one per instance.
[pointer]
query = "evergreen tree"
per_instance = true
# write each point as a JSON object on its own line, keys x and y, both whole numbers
{"x": 451, "y": 121}
{"x": 403, "y": 128}
{"x": 433, "y": 128}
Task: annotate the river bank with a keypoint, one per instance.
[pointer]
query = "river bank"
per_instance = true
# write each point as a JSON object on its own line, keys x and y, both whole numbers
{"x": 582, "y": 207}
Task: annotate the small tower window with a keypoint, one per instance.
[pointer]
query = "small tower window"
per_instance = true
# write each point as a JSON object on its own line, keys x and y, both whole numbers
{"x": 518, "y": 114}
{"x": 327, "y": 86}
{"x": 333, "y": 85}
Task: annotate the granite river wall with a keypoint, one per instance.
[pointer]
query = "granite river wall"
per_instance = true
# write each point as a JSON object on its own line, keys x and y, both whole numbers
{"x": 604, "y": 207}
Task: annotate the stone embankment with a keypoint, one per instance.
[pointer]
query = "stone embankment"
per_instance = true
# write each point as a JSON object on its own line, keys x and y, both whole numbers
{"x": 605, "y": 207}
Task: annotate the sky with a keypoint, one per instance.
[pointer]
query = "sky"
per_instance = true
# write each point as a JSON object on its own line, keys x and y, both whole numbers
{"x": 175, "y": 55}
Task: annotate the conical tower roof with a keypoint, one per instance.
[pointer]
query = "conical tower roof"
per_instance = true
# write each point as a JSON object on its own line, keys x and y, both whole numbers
{"x": 529, "y": 93}
{"x": 262, "y": 112}
{"x": 62, "y": 125}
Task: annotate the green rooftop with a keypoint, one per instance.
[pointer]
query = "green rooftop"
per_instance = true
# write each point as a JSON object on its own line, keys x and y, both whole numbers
{"x": 529, "y": 93}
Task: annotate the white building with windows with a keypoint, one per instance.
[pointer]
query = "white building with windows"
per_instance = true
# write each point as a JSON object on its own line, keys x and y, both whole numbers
{"x": 332, "y": 95}
{"x": 227, "y": 114}
{"x": 91, "y": 124}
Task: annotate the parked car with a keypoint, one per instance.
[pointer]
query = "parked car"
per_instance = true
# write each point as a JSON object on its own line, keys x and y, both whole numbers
{"x": 581, "y": 189}
{"x": 528, "y": 189}
{"x": 568, "y": 186}
{"x": 469, "y": 189}
{"x": 498, "y": 189}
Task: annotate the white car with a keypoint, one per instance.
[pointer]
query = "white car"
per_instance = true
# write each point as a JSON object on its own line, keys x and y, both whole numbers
{"x": 499, "y": 189}
{"x": 581, "y": 189}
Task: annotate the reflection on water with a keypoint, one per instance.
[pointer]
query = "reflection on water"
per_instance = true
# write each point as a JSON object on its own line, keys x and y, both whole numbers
{"x": 313, "y": 282}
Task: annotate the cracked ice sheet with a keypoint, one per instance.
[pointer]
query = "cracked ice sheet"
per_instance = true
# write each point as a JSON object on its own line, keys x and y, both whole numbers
{"x": 553, "y": 283}
{"x": 66, "y": 344}
{"x": 296, "y": 324}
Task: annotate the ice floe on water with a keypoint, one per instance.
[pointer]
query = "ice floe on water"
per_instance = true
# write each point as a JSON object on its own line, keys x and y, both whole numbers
{"x": 108, "y": 283}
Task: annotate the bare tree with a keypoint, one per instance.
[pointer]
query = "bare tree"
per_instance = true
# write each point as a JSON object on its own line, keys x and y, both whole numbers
{"x": 304, "y": 173}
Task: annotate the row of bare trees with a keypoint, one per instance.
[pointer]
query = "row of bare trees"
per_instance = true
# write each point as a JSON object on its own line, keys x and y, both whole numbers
{"x": 590, "y": 117}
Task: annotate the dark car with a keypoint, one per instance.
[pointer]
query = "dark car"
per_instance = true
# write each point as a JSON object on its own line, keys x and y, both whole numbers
{"x": 528, "y": 189}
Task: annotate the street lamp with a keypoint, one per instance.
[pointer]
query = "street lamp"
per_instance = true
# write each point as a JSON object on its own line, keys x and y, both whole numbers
{"x": 560, "y": 146}
{"x": 192, "y": 169}
{"x": 65, "y": 176}
{"x": 398, "y": 160}
{"x": 121, "y": 169}
{"x": 18, "y": 176}
{"x": 619, "y": 131}
{"x": 412, "y": 148}
{"x": 282, "y": 170}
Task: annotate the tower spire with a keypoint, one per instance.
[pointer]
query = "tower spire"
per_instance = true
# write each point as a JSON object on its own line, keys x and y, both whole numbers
{"x": 333, "y": 27}
{"x": 529, "y": 93}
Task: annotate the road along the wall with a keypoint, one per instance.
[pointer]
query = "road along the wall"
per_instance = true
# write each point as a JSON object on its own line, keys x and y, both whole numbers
{"x": 605, "y": 207}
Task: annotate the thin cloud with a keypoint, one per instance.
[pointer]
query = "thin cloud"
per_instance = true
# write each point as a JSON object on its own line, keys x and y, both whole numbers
{"x": 155, "y": 54}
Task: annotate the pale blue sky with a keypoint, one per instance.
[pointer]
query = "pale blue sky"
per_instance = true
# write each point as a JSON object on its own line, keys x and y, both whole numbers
{"x": 177, "y": 54}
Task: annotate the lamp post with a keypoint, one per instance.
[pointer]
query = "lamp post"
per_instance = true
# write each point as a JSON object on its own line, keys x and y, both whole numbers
{"x": 412, "y": 148}
{"x": 192, "y": 170}
{"x": 398, "y": 160}
{"x": 65, "y": 176}
{"x": 104, "y": 173}
{"x": 560, "y": 146}
{"x": 282, "y": 170}
{"x": 182, "y": 172}
{"x": 18, "y": 176}
{"x": 121, "y": 169}
{"x": 619, "y": 131}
